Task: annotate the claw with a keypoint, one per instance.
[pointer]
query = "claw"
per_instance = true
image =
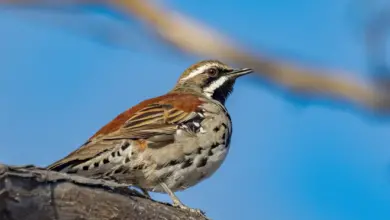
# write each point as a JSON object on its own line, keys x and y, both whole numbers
{"x": 186, "y": 208}
{"x": 177, "y": 203}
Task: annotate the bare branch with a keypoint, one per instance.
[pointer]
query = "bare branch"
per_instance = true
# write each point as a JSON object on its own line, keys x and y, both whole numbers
{"x": 30, "y": 193}
{"x": 194, "y": 38}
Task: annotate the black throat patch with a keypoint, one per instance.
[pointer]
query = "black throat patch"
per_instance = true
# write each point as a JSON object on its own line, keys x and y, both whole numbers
{"x": 222, "y": 93}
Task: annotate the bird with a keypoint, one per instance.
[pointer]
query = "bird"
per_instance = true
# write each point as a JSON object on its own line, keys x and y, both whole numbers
{"x": 167, "y": 143}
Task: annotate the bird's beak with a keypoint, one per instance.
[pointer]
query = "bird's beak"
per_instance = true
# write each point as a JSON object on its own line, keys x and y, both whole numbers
{"x": 239, "y": 72}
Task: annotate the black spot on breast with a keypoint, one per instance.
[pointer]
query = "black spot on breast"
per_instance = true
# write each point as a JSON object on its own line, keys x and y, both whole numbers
{"x": 127, "y": 160}
{"x": 216, "y": 129}
{"x": 214, "y": 145}
{"x": 96, "y": 164}
{"x": 202, "y": 162}
{"x": 224, "y": 135}
{"x": 113, "y": 153}
{"x": 105, "y": 161}
{"x": 118, "y": 153}
{"x": 125, "y": 145}
{"x": 86, "y": 167}
{"x": 211, "y": 152}
{"x": 199, "y": 150}
{"x": 187, "y": 163}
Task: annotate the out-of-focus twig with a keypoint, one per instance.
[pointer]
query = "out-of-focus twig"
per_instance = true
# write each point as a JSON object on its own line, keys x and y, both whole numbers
{"x": 50, "y": 3}
{"x": 195, "y": 38}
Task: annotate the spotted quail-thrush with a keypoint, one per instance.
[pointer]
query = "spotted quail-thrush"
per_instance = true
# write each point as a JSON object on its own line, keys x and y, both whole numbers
{"x": 167, "y": 143}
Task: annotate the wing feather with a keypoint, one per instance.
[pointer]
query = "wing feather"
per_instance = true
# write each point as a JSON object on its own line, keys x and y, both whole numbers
{"x": 154, "y": 122}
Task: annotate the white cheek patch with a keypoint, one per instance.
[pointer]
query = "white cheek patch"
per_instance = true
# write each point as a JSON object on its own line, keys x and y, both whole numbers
{"x": 209, "y": 91}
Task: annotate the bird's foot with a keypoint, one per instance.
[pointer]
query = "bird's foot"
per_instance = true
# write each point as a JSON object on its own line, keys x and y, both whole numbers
{"x": 186, "y": 208}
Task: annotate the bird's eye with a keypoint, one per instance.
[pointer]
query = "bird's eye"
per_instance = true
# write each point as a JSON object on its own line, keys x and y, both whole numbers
{"x": 212, "y": 71}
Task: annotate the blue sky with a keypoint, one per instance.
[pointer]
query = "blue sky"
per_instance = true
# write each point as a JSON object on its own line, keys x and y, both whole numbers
{"x": 62, "y": 78}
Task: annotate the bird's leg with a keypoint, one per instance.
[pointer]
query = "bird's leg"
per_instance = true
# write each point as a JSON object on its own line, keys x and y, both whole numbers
{"x": 176, "y": 201}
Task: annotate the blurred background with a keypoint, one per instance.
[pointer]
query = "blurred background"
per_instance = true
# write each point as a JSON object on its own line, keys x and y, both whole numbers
{"x": 66, "y": 71}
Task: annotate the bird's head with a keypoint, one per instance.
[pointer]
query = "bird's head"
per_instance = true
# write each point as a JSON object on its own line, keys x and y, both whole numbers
{"x": 211, "y": 78}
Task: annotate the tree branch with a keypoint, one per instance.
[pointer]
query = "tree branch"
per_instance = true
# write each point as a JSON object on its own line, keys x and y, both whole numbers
{"x": 195, "y": 38}
{"x": 31, "y": 193}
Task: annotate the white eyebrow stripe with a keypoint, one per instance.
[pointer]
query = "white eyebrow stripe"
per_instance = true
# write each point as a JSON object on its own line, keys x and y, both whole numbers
{"x": 209, "y": 91}
{"x": 196, "y": 72}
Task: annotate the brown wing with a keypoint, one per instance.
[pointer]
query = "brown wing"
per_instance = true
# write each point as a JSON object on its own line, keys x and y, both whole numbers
{"x": 154, "y": 120}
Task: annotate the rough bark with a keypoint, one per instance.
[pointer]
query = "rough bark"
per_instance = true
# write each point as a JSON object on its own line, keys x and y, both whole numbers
{"x": 31, "y": 193}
